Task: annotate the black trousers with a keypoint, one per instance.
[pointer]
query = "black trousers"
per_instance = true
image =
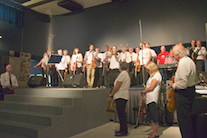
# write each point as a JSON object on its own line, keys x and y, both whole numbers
{"x": 53, "y": 74}
{"x": 113, "y": 74}
{"x": 105, "y": 76}
{"x": 139, "y": 78}
{"x": 60, "y": 82}
{"x": 153, "y": 113}
{"x": 200, "y": 65}
{"x": 98, "y": 77}
{"x": 120, "y": 107}
{"x": 184, "y": 101}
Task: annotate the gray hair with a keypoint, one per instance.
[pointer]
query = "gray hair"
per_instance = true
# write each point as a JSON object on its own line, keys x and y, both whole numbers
{"x": 180, "y": 51}
{"x": 124, "y": 65}
{"x": 9, "y": 65}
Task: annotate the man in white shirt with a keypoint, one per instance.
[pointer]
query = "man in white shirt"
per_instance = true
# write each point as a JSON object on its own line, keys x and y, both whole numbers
{"x": 60, "y": 68}
{"x": 184, "y": 87}
{"x": 99, "y": 69}
{"x": 145, "y": 58}
{"x": 138, "y": 67}
{"x": 133, "y": 60}
{"x": 8, "y": 81}
{"x": 89, "y": 57}
{"x": 66, "y": 60}
{"x": 106, "y": 56}
{"x": 124, "y": 56}
{"x": 199, "y": 55}
{"x": 153, "y": 53}
{"x": 49, "y": 68}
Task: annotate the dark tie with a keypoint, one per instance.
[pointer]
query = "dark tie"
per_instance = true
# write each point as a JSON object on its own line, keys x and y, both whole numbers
{"x": 10, "y": 79}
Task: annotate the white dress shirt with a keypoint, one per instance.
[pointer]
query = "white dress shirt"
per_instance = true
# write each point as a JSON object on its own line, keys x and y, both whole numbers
{"x": 153, "y": 53}
{"x": 123, "y": 91}
{"x": 185, "y": 75}
{"x": 201, "y": 52}
{"x": 153, "y": 95}
{"x": 144, "y": 56}
{"x": 76, "y": 58}
{"x": 125, "y": 57}
{"x": 66, "y": 60}
{"x": 105, "y": 54}
{"x": 89, "y": 56}
{"x": 61, "y": 65}
{"x": 114, "y": 63}
{"x": 133, "y": 57}
{"x": 99, "y": 62}
{"x": 5, "y": 80}
{"x": 46, "y": 59}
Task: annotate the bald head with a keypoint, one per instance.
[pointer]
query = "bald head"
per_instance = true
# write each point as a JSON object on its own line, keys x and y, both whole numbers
{"x": 179, "y": 52}
{"x": 163, "y": 49}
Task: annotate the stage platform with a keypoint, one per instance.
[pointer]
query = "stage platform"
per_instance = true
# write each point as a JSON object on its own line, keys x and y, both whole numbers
{"x": 53, "y": 112}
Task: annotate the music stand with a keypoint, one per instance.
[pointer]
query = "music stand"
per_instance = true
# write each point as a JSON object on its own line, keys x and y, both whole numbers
{"x": 55, "y": 58}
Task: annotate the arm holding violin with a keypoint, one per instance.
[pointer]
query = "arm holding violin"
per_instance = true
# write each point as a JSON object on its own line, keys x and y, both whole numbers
{"x": 149, "y": 89}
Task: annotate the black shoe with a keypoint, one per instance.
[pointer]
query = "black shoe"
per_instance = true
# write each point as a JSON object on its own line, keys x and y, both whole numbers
{"x": 121, "y": 134}
{"x": 117, "y": 131}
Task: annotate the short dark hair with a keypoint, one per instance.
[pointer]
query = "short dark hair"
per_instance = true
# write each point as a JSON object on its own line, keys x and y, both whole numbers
{"x": 124, "y": 65}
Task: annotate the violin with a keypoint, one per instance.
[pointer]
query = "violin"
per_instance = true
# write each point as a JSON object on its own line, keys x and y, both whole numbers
{"x": 93, "y": 62}
{"x": 142, "y": 110}
{"x": 110, "y": 109}
{"x": 138, "y": 65}
{"x": 65, "y": 73}
{"x": 107, "y": 66}
{"x": 75, "y": 65}
{"x": 171, "y": 103}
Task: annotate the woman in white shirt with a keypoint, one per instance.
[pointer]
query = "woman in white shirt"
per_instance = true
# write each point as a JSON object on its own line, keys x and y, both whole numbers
{"x": 41, "y": 62}
{"x": 151, "y": 93}
{"x": 120, "y": 94}
{"x": 114, "y": 65}
{"x": 76, "y": 61}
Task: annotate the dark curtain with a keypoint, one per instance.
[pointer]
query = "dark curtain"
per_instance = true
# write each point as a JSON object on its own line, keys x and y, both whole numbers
{"x": 11, "y": 15}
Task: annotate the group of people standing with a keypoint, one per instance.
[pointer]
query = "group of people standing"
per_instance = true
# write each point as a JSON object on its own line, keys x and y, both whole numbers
{"x": 102, "y": 66}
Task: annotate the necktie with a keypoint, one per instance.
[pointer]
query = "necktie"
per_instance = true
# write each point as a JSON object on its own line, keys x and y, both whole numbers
{"x": 10, "y": 79}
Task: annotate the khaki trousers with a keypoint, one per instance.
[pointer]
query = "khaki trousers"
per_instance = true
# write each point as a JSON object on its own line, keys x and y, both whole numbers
{"x": 90, "y": 75}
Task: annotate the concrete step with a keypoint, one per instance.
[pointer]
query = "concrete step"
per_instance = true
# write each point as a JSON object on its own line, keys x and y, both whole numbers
{"x": 19, "y": 129}
{"x": 51, "y": 92}
{"x": 39, "y": 99}
{"x": 32, "y": 107}
{"x": 26, "y": 117}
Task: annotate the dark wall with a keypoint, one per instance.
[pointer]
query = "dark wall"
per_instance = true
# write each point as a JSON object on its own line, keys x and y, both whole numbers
{"x": 36, "y": 33}
{"x": 32, "y": 37}
{"x": 164, "y": 22}
{"x": 11, "y": 37}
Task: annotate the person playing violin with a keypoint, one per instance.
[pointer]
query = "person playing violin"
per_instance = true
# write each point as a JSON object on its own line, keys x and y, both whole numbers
{"x": 88, "y": 59}
{"x": 114, "y": 65}
{"x": 99, "y": 69}
{"x": 76, "y": 61}
{"x": 133, "y": 60}
{"x": 66, "y": 59}
{"x": 106, "y": 56}
{"x": 138, "y": 67}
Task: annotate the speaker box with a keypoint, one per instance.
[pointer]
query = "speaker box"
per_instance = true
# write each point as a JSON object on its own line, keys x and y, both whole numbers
{"x": 70, "y": 5}
{"x": 35, "y": 81}
{"x": 78, "y": 80}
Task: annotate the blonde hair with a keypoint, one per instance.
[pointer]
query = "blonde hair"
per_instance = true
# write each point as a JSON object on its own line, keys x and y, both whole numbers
{"x": 152, "y": 67}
